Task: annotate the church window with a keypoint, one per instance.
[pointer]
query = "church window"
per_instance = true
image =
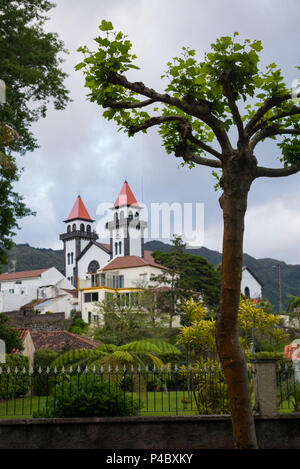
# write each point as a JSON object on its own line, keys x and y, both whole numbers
{"x": 247, "y": 292}
{"x": 88, "y": 228}
{"x": 120, "y": 247}
{"x": 69, "y": 258}
{"x": 81, "y": 227}
{"x": 138, "y": 226}
{"x": 116, "y": 249}
{"x": 69, "y": 229}
{"x": 72, "y": 257}
{"x": 93, "y": 267}
{"x": 74, "y": 227}
{"x": 130, "y": 215}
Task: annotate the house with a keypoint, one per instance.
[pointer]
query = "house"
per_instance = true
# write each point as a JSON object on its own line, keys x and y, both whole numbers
{"x": 61, "y": 340}
{"x": 251, "y": 286}
{"x": 21, "y": 288}
{"x": 29, "y": 348}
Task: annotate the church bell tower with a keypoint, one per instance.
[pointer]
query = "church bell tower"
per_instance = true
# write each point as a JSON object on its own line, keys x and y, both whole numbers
{"x": 126, "y": 229}
{"x": 79, "y": 232}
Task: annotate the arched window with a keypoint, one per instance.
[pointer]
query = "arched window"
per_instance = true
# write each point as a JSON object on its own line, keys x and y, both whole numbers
{"x": 130, "y": 215}
{"x": 72, "y": 257}
{"x": 81, "y": 227}
{"x": 247, "y": 292}
{"x": 120, "y": 247}
{"x": 93, "y": 267}
{"x": 116, "y": 248}
{"x": 74, "y": 227}
{"x": 88, "y": 228}
{"x": 69, "y": 229}
{"x": 68, "y": 258}
{"x": 138, "y": 226}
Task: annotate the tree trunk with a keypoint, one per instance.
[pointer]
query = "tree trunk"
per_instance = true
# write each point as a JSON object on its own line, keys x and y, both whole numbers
{"x": 237, "y": 180}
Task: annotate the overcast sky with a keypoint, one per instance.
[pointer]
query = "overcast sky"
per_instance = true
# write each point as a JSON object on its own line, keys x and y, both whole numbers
{"x": 82, "y": 153}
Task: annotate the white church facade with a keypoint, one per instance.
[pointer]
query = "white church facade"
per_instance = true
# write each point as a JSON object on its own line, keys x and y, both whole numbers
{"x": 97, "y": 269}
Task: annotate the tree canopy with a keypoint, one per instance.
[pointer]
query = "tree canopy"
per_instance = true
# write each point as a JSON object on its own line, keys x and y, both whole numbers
{"x": 30, "y": 66}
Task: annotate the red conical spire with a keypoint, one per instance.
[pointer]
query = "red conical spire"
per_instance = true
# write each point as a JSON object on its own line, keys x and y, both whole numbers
{"x": 79, "y": 211}
{"x": 125, "y": 197}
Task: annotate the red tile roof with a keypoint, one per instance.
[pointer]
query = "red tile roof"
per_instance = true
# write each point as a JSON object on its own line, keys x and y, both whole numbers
{"x": 22, "y": 333}
{"x": 71, "y": 292}
{"x": 79, "y": 211}
{"x": 125, "y": 196}
{"x": 24, "y": 274}
{"x": 124, "y": 262}
{"x": 59, "y": 340}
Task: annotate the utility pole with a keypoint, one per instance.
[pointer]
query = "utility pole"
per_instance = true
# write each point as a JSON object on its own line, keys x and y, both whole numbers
{"x": 279, "y": 287}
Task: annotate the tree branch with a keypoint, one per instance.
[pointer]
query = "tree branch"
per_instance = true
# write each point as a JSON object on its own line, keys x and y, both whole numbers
{"x": 184, "y": 151}
{"x": 133, "y": 129}
{"x": 231, "y": 98}
{"x": 268, "y": 104}
{"x": 127, "y": 104}
{"x": 198, "y": 109}
{"x": 277, "y": 172}
{"x": 269, "y": 132}
{"x": 293, "y": 111}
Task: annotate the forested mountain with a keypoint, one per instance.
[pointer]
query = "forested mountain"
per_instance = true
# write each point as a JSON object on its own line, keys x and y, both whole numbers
{"x": 26, "y": 257}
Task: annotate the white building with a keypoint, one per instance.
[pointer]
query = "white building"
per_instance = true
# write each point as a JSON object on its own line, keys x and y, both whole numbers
{"x": 97, "y": 268}
{"x": 251, "y": 286}
{"x": 20, "y": 288}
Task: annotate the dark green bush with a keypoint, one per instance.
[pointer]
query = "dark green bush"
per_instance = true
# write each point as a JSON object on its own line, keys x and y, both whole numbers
{"x": 43, "y": 382}
{"x": 14, "y": 384}
{"x": 88, "y": 397}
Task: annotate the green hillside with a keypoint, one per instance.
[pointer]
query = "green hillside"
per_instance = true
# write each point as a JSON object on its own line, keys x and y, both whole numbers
{"x": 27, "y": 258}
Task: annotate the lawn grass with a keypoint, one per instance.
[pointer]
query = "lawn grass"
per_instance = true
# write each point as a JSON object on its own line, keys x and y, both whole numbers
{"x": 154, "y": 403}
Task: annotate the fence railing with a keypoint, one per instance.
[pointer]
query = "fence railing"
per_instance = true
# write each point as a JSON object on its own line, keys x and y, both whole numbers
{"x": 288, "y": 386}
{"x": 196, "y": 389}
{"x": 177, "y": 390}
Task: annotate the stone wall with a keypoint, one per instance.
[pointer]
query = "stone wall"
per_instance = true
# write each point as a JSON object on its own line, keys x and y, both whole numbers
{"x": 196, "y": 432}
{"x": 37, "y": 322}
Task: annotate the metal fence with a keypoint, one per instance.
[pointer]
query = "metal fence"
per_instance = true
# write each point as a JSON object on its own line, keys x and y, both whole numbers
{"x": 288, "y": 386}
{"x": 177, "y": 390}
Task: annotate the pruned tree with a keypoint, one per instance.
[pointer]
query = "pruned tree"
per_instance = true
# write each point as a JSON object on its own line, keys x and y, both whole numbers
{"x": 202, "y": 102}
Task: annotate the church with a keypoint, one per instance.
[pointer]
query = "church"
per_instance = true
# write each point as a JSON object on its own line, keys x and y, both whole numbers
{"x": 97, "y": 269}
{"x": 123, "y": 266}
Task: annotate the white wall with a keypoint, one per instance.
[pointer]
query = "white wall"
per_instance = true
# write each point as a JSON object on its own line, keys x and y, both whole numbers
{"x": 249, "y": 281}
{"x": 94, "y": 253}
{"x": 13, "y": 302}
{"x": 62, "y": 304}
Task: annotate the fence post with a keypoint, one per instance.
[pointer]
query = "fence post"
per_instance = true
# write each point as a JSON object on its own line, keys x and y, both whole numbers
{"x": 265, "y": 387}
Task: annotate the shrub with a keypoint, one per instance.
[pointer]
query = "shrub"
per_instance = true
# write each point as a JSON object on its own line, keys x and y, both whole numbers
{"x": 43, "y": 382}
{"x": 87, "y": 397}
{"x": 14, "y": 383}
